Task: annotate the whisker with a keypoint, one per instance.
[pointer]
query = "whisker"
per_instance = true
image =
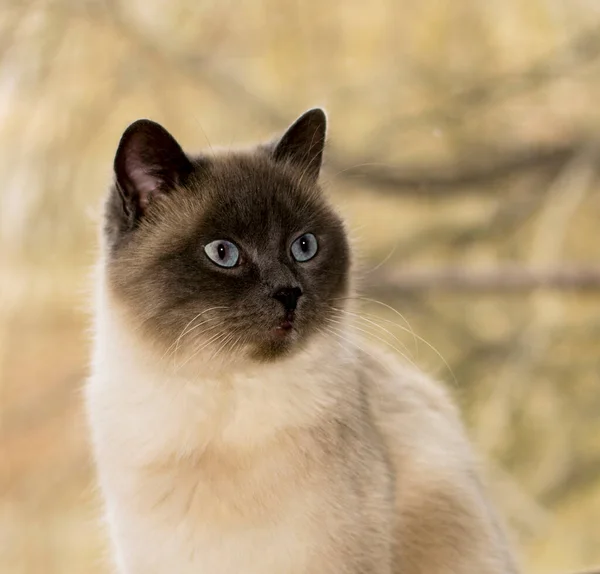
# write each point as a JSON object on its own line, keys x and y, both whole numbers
{"x": 421, "y": 340}
{"x": 384, "y": 341}
{"x": 341, "y": 337}
{"x": 233, "y": 345}
{"x": 409, "y": 330}
{"x": 369, "y": 321}
{"x": 383, "y": 261}
{"x": 368, "y": 299}
{"x": 214, "y": 338}
{"x": 222, "y": 345}
{"x": 184, "y": 331}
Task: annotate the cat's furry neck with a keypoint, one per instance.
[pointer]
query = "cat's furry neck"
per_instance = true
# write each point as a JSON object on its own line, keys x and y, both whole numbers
{"x": 231, "y": 402}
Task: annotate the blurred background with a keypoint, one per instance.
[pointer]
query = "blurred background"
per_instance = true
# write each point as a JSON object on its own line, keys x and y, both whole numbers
{"x": 464, "y": 152}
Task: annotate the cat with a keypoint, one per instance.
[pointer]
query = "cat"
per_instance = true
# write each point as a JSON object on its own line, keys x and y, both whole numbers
{"x": 239, "y": 423}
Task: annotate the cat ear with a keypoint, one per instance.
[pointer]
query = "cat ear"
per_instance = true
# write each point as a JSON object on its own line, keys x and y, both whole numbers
{"x": 148, "y": 163}
{"x": 303, "y": 143}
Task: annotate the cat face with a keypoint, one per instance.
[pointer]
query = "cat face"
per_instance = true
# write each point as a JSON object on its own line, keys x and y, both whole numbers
{"x": 232, "y": 255}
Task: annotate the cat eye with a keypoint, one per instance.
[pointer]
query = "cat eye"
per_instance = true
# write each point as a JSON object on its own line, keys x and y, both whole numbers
{"x": 305, "y": 247}
{"x": 223, "y": 253}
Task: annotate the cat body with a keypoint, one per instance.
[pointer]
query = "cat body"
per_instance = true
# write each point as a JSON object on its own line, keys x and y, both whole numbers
{"x": 239, "y": 423}
{"x": 243, "y": 472}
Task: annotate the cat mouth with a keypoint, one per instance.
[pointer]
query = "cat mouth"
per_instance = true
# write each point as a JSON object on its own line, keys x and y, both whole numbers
{"x": 286, "y": 325}
{"x": 283, "y": 335}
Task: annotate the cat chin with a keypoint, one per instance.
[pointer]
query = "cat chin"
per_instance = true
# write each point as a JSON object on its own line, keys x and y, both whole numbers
{"x": 212, "y": 361}
{"x": 274, "y": 350}
{"x": 270, "y": 352}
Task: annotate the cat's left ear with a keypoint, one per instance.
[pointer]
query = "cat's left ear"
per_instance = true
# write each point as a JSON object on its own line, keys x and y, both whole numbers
{"x": 303, "y": 143}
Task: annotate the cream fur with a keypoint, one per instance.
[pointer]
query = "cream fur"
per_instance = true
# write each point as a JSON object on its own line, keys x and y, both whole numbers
{"x": 243, "y": 468}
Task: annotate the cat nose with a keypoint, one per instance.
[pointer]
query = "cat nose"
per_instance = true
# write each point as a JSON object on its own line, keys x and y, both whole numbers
{"x": 288, "y": 297}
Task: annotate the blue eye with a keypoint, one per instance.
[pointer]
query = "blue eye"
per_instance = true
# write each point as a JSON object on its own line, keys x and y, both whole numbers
{"x": 223, "y": 253}
{"x": 305, "y": 247}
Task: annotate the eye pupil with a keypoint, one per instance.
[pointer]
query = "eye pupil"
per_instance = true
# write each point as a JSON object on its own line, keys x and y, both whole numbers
{"x": 304, "y": 244}
{"x": 221, "y": 251}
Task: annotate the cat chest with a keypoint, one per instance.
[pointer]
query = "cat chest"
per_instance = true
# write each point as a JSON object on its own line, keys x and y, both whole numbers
{"x": 248, "y": 522}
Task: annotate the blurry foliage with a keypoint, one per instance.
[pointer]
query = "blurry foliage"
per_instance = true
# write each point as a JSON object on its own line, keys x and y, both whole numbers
{"x": 463, "y": 135}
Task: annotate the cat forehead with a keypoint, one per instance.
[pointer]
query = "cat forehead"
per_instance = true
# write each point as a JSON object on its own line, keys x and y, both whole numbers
{"x": 255, "y": 172}
{"x": 254, "y": 191}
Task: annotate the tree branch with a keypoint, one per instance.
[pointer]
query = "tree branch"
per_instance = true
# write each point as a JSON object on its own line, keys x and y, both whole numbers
{"x": 506, "y": 278}
{"x": 578, "y": 51}
{"x": 434, "y": 180}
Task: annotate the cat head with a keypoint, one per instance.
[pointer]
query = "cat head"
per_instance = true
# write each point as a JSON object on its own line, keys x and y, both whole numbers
{"x": 227, "y": 254}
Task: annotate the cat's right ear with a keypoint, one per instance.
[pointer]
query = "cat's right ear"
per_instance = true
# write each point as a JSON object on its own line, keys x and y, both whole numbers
{"x": 303, "y": 143}
{"x": 148, "y": 164}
